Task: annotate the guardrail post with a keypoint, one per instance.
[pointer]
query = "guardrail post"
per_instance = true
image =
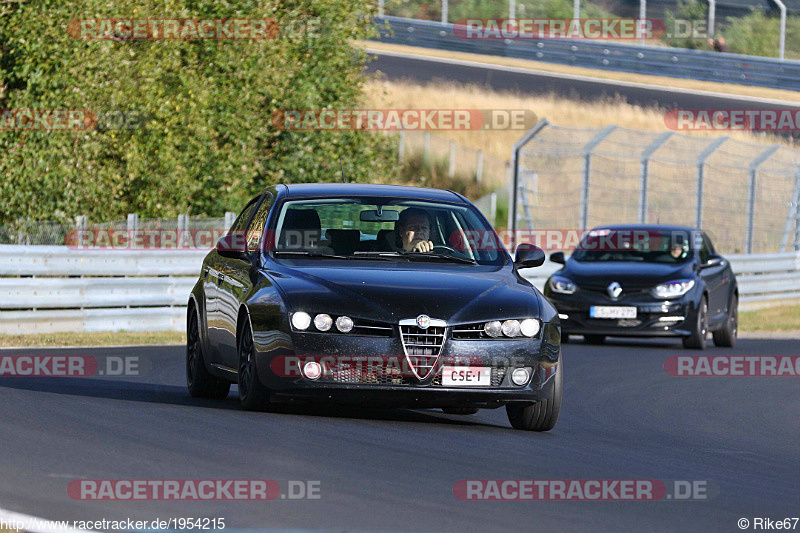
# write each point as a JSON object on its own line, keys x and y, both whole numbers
{"x": 701, "y": 161}
{"x": 512, "y": 9}
{"x": 426, "y": 151}
{"x": 133, "y": 222}
{"x": 444, "y": 11}
{"x": 751, "y": 196}
{"x": 380, "y": 8}
{"x": 587, "y": 170}
{"x": 230, "y": 218}
{"x": 644, "y": 172}
{"x": 81, "y": 222}
{"x": 512, "y": 198}
{"x": 792, "y": 214}
{"x": 493, "y": 207}
{"x": 479, "y": 171}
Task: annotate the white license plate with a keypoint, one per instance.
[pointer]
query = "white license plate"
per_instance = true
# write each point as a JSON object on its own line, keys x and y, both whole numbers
{"x": 466, "y": 376}
{"x": 600, "y": 311}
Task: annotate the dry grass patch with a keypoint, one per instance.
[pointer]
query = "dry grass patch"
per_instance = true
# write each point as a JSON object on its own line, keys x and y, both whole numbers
{"x": 118, "y": 338}
{"x": 781, "y": 318}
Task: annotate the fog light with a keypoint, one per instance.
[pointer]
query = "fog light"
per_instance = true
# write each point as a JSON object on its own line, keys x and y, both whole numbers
{"x": 312, "y": 370}
{"x": 530, "y": 327}
{"x": 493, "y": 329}
{"x": 301, "y": 320}
{"x": 344, "y": 324}
{"x": 323, "y": 322}
{"x": 520, "y": 376}
{"x": 511, "y": 328}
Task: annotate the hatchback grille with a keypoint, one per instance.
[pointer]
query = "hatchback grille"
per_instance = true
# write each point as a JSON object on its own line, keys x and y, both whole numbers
{"x": 422, "y": 346}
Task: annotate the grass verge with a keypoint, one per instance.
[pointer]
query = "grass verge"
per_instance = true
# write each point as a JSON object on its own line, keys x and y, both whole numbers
{"x": 106, "y": 338}
{"x": 779, "y": 318}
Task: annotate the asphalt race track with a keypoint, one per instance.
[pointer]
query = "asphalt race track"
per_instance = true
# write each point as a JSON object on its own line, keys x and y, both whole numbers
{"x": 624, "y": 417}
{"x": 420, "y": 69}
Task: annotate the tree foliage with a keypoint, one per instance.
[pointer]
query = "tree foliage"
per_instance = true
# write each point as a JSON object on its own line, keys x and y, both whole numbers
{"x": 208, "y": 142}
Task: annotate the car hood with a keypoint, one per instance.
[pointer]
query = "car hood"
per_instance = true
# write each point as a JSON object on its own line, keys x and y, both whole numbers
{"x": 385, "y": 292}
{"x": 639, "y": 274}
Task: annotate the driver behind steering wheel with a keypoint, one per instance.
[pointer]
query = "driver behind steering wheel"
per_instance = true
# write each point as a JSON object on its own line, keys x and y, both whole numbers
{"x": 413, "y": 231}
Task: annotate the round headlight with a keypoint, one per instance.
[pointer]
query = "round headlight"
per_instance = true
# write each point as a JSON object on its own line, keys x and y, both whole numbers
{"x": 301, "y": 320}
{"x": 323, "y": 322}
{"x": 493, "y": 329}
{"x": 520, "y": 376}
{"x": 511, "y": 328}
{"x": 530, "y": 327}
{"x": 344, "y": 324}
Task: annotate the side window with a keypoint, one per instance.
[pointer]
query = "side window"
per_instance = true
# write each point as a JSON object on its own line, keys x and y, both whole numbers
{"x": 709, "y": 246}
{"x": 703, "y": 251}
{"x": 256, "y": 228}
{"x": 244, "y": 217}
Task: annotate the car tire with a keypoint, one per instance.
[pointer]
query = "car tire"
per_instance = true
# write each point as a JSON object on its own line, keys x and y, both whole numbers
{"x": 726, "y": 337}
{"x": 698, "y": 339}
{"x": 460, "y": 410}
{"x": 542, "y": 415}
{"x": 252, "y": 394}
{"x": 199, "y": 381}
{"x": 594, "y": 339}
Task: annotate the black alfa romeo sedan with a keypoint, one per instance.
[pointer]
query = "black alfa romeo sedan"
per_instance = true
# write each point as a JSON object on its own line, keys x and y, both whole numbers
{"x": 646, "y": 281}
{"x": 378, "y": 295}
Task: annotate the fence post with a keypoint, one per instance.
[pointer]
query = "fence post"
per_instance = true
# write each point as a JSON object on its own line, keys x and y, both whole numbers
{"x": 701, "y": 161}
{"x": 493, "y": 207}
{"x": 792, "y": 214}
{"x": 751, "y": 196}
{"x": 401, "y": 148}
{"x": 81, "y": 222}
{"x": 512, "y": 9}
{"x": 644, "y": 171}
{"x": 444, "y": 11}
{"x": 479, "y": 172}
{"x": 230, "y": 218}
{"x": 380, "y": 8}
{"x": 426, "y": 151}
{"x": 451, "y": 171}
{"x": 587, "y": 170}
{"x": 515, "y": 151}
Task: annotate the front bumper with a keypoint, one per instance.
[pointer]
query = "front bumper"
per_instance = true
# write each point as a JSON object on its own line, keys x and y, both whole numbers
{"x": 538, "y": 355}
{"x": 654, "y": 318}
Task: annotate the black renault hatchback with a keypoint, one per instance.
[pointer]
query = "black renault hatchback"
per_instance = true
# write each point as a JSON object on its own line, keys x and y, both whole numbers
{"x": 646, "y": 281}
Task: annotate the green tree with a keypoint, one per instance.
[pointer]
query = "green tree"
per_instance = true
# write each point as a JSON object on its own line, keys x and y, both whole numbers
{"x": 208, "y": 143}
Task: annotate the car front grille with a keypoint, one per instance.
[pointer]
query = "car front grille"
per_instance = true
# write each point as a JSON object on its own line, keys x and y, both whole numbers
{"x": 422, "y": 346}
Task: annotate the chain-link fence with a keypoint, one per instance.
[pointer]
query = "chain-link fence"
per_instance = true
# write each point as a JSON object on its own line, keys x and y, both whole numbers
{"x": 745, "y": 195}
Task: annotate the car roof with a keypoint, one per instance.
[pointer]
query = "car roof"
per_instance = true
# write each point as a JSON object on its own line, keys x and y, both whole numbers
{"x": 336, "y": 190}
{"x": 649, "y": 227}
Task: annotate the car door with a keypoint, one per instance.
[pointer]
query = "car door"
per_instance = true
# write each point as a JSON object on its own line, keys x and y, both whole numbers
{"x": 219, "y": 267}
{"x": 715, "y": 280}
{"x": 237, "y": 280}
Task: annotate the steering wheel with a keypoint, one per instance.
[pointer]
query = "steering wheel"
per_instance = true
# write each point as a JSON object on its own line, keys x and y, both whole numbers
{"x": 442, "y": 247}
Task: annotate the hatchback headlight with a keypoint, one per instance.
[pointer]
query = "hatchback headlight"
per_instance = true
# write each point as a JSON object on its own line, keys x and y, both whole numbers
{"x": 673, "y": 289}
{"x": 562, "y": 285}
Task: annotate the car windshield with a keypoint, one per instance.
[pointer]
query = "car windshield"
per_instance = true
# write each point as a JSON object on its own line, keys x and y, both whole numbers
{"x": 391, "y": 229}
{"x": 634, "y": 245}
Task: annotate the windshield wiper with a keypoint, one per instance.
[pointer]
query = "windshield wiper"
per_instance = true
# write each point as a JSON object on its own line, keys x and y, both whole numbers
{"x": 306, "y": 253}
{"x": 454, "y": 258}
{"x": 380, "y": 256}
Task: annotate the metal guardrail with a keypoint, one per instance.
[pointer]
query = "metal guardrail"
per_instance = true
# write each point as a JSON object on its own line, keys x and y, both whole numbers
{"x": 154, "y": 286}
{"x": 606, "y": 55}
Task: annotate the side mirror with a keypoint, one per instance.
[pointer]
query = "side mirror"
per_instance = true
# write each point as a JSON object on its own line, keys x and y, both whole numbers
{"x": 713, "y": 261}
{"x": 558, "y": 257}
{"x": 529, "y": 256}
{"x": 233, "y": 245}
